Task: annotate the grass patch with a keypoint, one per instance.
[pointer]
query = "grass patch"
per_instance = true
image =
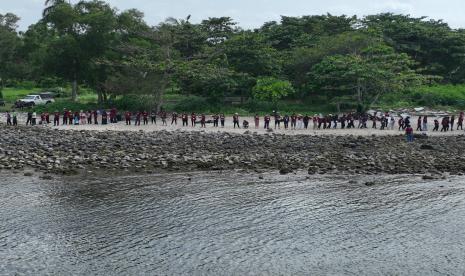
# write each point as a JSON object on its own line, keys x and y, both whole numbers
{"x": 443, "y": 97}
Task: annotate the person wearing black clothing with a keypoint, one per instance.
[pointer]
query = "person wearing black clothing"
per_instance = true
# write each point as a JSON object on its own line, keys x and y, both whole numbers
{"x": 153, "y": 117}
{"x": 8, "y": 119}
{"x": 236, "y": 120}
{"x": 306, "y": 120}
{"x": 222, "y": 119}
{"x": 286, "y": 121}
{"x": 436, "y": 125}
{"x": 89, "y": 117}
{"x": 267, "y": 120}
{"x": 29, "y": 118}
{"x": 277, "y": 120}
{"x": 335, "y": 120}
{"x": 163, "y": 118}
{"x": 215, "y": 120}
{"x": 105, "y": 117}
{"x": 137, "y": 122}
{"x": 95, "y": 113}
{"x": 343, "y": 121}
{"x": 419, "y": 121}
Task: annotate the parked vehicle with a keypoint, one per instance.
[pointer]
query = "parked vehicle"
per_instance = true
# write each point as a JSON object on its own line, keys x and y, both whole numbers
{"x": 48, "y": 97}
{"x": 37, "y": 100}
{"x": 21, "y": 105}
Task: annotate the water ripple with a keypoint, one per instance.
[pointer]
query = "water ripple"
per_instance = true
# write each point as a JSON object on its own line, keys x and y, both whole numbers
{"x": 231, "y": 224}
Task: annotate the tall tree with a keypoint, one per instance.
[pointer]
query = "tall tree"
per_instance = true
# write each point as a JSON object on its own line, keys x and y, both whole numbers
{"x": 365, "y": 76}
{"x": 9, "y": 43}
{"x": 437, "y": 48}
{"x": 84, "y": 32}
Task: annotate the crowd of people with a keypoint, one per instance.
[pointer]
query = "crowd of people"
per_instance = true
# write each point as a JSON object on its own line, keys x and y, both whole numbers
{"x": 383, "y": 121}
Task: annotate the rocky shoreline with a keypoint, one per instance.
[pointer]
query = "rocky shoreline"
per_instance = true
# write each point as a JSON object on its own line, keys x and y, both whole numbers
{"x": 52, "y": 151}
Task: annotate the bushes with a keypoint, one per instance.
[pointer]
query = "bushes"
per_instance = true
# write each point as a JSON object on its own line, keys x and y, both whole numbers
{"x": 50, "y": 82}
{"x": 438, "y": 96}
{"x": 61, "y": 105}
{"x": 29, "y": 85}
{"x": 191, "y": 104}
{"x": 134, "y": 103}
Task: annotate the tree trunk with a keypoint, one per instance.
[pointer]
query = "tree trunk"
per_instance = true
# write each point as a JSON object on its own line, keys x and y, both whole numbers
{"x": 99, "y": 97}
{"x": 165, "y": 80}
{"x": 1, "y": 88}
{"x": 359, "y": 92}
{"x": 161, "y": 92}
{"x": 74, "y": 90}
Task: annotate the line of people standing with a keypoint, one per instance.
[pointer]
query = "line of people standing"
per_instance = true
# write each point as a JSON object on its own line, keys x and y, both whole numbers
{"x": 294, "y": 121}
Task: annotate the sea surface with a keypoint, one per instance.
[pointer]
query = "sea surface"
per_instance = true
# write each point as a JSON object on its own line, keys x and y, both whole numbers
{"x": 231, "y": 223}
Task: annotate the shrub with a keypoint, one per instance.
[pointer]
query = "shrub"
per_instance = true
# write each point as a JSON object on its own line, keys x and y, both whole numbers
{"x": 192, "y": 104}
{"x": 26, "y": 84}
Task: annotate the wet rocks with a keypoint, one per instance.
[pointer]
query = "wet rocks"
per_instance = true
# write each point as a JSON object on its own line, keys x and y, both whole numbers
{"x": 427, "y": 147}
{"x": 285, "y": 170}
{"x": 370, "y": 183}
{"x": 70, "y": 152}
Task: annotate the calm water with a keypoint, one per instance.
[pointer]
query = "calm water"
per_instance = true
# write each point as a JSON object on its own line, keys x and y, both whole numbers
{"x": 229, "y": 224}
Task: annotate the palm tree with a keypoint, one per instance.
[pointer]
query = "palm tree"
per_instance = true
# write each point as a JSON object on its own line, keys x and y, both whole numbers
{"x": 50, "y": 5}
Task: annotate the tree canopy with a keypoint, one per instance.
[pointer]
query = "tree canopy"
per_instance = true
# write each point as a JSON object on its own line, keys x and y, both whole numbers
{"x": 326, "y": 57}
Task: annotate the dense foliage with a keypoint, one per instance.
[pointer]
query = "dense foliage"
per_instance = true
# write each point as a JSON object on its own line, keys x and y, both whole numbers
{"x": 324, "y": 58}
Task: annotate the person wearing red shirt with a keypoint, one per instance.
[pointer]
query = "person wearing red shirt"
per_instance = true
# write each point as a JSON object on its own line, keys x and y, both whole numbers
{"x": 202, "y": 121}
{"x": 293, "y": 121}
{"x": 145, "y": 115}
{"x": 127, "y": 117}
{"x": 42, "y": 119}
{"x": 409, "y": 133}
{"x": 185, "y": 119}
{"x": 174, "y": 118}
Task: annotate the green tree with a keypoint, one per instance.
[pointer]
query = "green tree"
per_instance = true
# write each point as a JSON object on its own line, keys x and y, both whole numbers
{"x": 272, "y": 89}
{"x": 365, "y": 76}
{"x": 83, "y": 33}
{"x": 9, "y": 43}
{"x": 250, "y": 53}
{"x": 437, "y": 49}
{"x": 218, "y": 29}
{"x": 300, "y": 61}
{"x": 303, "y": 31}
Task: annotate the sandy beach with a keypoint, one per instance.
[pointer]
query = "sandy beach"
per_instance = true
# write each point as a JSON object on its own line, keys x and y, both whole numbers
{"x": 121, "y": 126}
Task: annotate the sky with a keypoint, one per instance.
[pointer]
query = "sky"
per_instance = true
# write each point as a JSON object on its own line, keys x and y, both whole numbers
{"x": 253, "y": 13}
